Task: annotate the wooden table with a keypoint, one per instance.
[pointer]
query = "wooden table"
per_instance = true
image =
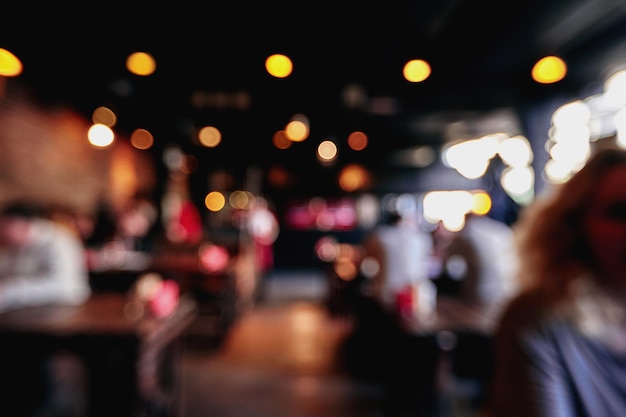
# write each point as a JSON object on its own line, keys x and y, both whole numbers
{"x": 131, "y": 359}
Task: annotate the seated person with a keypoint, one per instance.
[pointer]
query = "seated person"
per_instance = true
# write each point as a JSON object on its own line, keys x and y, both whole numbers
{"x": 41, "y": 262}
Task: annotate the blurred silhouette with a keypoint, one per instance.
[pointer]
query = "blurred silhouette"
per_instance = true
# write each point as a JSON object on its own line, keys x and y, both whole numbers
{"x": 41, "y": 261}
{"x": 482, "y": 258}
{"x": 263, "y": 227}
{"x": 402, "y": 251}
{"x": 560, "y": 347}
{"x": 478, "y": 264}
{"x": 379, "y": 347}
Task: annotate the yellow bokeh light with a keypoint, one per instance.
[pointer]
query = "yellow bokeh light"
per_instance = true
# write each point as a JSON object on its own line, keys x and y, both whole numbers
{"x": 353, "y": 177}
{"x": 215, "y": 201}
{"x": 416, "y": 70}
{"x": 279, "y": 66}
{"x": 549, "y": 70}
{"x": 296, "y": 131}
{"x": 141, "y": 63}
{"x": 10, "y": 65}
{"x": 481, "y": 203}
{"x": 209, "y": 136}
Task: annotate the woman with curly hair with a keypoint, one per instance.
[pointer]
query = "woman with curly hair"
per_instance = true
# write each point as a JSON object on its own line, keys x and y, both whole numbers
{"x": 560, "y": 348}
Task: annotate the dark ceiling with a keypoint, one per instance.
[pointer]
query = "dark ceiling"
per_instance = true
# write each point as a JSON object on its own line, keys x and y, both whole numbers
{"x": 481, "y": 53}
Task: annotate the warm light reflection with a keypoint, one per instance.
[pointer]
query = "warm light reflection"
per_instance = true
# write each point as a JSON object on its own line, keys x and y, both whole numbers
{"x": 279, "y": 66}
{"x": 296, "y": 131}
{"x": 100, "y": 135}
{"x": 416, "y": 70}
{"x": 346, "y": 269}
{"x": 305, "y": 325}
{"x": 215, "y": 201}
{"x": 482, "y": 202}
{"x": 357, "y": 140}
{"x": 280, "y": 140}
{"x": 141, "y": 139}
{"x": 209, "y": 136}
{"x": 548, "y": 70}
{"x": 240, "y": 199}
{"x": 10, "y": 65}
{"x": 141, "y": 63}
{"x": 327, "y": 151}
{"x": 104, "y": 115}
{"x": 353, "y": 177}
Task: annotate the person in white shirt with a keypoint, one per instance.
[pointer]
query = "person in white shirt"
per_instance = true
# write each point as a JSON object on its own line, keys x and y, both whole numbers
{"x": 41, "y": 262}
{"x": 402, "y": 251}
{"x": 483, "y": 258}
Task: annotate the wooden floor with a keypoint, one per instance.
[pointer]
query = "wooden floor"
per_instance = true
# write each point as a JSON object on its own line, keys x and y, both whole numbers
{"x": 280, "y": 359}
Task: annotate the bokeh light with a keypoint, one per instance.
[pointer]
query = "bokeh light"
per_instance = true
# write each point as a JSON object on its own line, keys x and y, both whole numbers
{"x": 215, "y": 201}
{"x": 10, "y": 65}
{"x": 279, "y": 66}
{"x": 416, "y": 70}
{"x": 100, "y": 136}
{"x": 209, "y": 136}
{"x": 548, "y": 70}
{"x": 141, "y": 139}
{"x": 141, "y": 63}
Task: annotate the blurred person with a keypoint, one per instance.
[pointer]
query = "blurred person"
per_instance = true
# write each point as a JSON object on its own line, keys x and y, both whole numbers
{"x": 480, "y": 266}
{"x": 263, "y": 226}
{"x": 560, "y": 347}
{"x": 379, "y": 346}
{"x": 482, "y": 259}
{"x": 402, "y": 251}
{"x": 41, "y": 261}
